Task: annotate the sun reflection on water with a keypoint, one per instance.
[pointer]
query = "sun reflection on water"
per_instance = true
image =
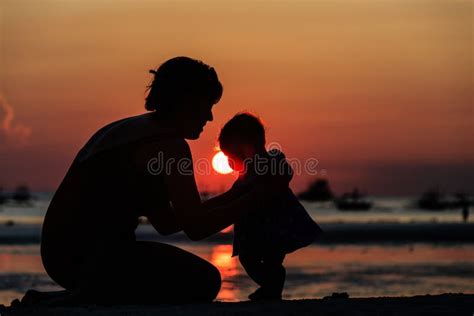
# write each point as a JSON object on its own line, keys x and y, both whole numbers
{"x": 228, "y": 267}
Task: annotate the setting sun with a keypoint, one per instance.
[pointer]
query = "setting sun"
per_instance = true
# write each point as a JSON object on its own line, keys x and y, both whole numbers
{"x": 221, "y": 164}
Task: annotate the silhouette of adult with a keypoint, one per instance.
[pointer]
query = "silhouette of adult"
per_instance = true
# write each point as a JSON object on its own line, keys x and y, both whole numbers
{"x": 140, "y": 166}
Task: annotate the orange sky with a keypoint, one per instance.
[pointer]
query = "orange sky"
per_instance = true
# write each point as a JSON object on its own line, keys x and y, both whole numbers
{"x": 380, "y": 92}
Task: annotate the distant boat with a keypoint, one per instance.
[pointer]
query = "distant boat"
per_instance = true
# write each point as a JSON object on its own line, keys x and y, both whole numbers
{"x": 353, "y": 201}
{"x": 434, "y": 200}
{"x": 462, "y": 199}
{"x": 21, "y": 194}
{"x": 318, "y": 190}
{"x": 3, "y": 196}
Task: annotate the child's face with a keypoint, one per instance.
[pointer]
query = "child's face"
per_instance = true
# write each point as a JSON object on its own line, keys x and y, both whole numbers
{"x": 235, "y": 162}
{"x": 238, "y": 155}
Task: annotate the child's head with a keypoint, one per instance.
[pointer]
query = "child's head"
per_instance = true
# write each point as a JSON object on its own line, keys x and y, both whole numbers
{"x": 242, "y": 137}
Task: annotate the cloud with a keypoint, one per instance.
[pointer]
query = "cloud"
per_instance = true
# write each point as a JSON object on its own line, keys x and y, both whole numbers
{"x": 11, "y": 132}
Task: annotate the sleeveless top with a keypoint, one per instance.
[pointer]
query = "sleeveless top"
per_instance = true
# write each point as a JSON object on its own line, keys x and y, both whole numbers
{"x": 105, "y": 190}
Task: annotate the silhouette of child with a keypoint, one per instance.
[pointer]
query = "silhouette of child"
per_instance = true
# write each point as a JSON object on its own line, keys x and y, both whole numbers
{"x": 278, "y": 224}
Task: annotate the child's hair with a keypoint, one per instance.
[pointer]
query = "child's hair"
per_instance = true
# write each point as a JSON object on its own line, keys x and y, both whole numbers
{"x": 244, "y": 128}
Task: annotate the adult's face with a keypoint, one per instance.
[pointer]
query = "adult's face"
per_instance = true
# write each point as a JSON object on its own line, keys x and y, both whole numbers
{"x": 193, "y": 117}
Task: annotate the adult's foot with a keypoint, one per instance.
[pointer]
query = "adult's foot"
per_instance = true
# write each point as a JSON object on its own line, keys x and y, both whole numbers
{"x": 55, "y": 298}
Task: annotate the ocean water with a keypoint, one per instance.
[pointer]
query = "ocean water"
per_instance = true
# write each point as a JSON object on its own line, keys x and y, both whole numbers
{"x": 313, "y": 272}
{"x": 385, "y": 209}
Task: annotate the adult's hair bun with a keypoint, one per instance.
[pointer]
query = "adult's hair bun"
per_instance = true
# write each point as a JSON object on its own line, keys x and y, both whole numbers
{"x": 182, "y": 77}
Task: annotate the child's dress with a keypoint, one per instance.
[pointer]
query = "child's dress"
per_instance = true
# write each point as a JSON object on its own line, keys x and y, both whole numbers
{"x": 283, "y": 227}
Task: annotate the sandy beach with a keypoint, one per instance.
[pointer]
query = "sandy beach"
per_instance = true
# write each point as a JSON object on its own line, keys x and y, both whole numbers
{"x": 445, "y": 304}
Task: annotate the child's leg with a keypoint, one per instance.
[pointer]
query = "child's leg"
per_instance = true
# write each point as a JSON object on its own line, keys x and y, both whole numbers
{"x": 253, "y": 265}
{"x": 275, "y": 273}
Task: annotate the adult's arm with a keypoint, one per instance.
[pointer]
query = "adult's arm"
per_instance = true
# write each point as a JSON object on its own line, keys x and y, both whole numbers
{"x": 164, "y": 220}
{"x": 197, "y": 220}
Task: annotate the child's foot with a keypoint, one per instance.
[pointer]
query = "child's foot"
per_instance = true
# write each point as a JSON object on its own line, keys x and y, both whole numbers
{"x": 336, "y": 295}
{"x": 262, "y": 294}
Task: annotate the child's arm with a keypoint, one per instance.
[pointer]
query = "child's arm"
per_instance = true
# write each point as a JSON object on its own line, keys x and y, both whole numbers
{"x": 285, "y": 172}
{"x": 272, "y": 185}
{"x": 280, "y": 172}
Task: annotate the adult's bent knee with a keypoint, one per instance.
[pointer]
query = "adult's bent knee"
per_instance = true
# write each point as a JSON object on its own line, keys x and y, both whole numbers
{"x": 213, "y": 283}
